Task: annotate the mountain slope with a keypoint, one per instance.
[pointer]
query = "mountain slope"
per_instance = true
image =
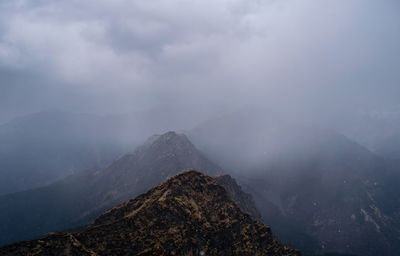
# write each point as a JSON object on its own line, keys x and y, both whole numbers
{"x": 160, "y": 157}
{"x": 189, "y": 214}
{"x": 78, "y": 199}
{"x": 43, "y": 147}
{"x": 322, "y": 186}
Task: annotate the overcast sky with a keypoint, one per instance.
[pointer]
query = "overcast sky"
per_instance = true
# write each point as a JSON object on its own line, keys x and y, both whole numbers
{"x": 124, "y": 55}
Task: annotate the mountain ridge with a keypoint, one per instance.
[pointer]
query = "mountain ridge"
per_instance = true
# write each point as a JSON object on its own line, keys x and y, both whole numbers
{"x": 199, "y": 219}
{"x": 77, "y": 200}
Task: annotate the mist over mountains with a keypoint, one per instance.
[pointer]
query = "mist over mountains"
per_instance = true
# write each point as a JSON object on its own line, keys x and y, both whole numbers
{"x": 43, "y": 147}
{"x": 340, "y": 188}
{"x": 287, "y": 113}
{"x": 320, "y": 191}
{"x": 40, "y": 148}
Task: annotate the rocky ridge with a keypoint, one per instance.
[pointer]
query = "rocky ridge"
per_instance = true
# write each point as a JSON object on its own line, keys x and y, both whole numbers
{"x": 189, "y": 214}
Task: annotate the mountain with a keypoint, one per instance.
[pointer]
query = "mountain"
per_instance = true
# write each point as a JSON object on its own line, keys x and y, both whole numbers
{"x": 189, "y": 214}
{"x": 78, "y": 199}
{"x": 320, "y": 191}
{"x": 160, "y": 157}
{"x": 40, "y": 148}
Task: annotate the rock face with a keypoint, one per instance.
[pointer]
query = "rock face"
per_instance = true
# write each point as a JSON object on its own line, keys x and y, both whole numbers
{"x": 189, "y": 214}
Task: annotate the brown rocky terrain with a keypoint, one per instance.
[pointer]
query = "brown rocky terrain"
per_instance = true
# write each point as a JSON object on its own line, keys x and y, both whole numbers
{"x": 189, "y": 214}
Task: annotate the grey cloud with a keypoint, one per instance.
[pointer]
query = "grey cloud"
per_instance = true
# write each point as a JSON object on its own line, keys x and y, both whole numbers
{"x": 315, "y": 57}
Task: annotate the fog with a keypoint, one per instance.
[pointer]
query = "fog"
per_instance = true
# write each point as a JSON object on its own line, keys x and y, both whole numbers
{"x": 298, "y": 100}
{"x": 309, "y": 60}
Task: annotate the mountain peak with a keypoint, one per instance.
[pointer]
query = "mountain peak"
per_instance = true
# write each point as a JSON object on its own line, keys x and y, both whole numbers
{"x": 172, "y": 134}
{"x": 83, "y": 197}
{"x": 187, "y": 181}
{"x": 171, "y": 148}
{"x": 188, "y": 214}
{"x": 161, "y": 157}
{"x": 170, "y": 139}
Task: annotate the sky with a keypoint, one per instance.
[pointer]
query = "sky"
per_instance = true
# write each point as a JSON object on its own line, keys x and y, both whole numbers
{"x": 304, "y": 58}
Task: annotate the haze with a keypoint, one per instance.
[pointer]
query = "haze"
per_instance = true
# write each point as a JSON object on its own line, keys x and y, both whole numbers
{"x": 305, "y": 58}
{"x": 298, "y": 101}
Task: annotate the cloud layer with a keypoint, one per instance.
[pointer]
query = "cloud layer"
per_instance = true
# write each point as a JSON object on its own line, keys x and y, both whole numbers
{"x": 119, "y": 56}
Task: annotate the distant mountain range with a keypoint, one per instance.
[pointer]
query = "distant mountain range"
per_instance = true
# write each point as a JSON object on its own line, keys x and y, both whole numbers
{"x": 40, "y": 148}
{"x": 319, "y": 191}
{"x": 189, "y": 214}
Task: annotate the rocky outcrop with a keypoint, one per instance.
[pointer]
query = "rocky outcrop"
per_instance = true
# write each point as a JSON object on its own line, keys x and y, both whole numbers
{"x": 189, "y": 214}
